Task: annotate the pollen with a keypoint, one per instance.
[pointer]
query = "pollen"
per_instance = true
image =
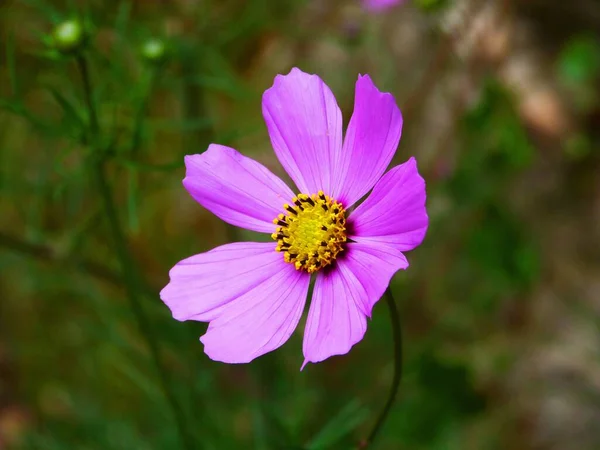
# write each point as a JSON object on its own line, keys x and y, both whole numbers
{"x": 312, "y": 231}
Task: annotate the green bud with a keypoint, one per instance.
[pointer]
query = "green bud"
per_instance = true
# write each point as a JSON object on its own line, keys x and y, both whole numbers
{"x": 154, "y": 51}
{"x": 69, "y": 36}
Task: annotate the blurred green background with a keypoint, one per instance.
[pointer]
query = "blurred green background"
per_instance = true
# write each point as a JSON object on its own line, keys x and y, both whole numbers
{"x": 500, "y": 307}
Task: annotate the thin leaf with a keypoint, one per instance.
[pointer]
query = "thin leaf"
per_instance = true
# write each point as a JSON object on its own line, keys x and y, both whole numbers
{"x": 132, "y": 199}
{"x": 10, "y": 62}
{"x": 259, "y": 429}
{"x": 123, "y": 15}
{"x": 18, "y": 109}
{"x": 119, "y": 51}
{"x": 50, "y": 54}
{"x": 181, "y": 125}
{"x": 141, "y": 166}
{"x": 219, "y": 83}
{"x": 70, "y": 111}
{"x": 48, "y": 11}
{"x": 13, "y": 107}
{"x": 349, "y": 417}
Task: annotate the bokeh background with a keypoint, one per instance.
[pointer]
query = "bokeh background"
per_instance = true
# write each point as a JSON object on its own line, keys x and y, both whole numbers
{"x": 500, "y": 307}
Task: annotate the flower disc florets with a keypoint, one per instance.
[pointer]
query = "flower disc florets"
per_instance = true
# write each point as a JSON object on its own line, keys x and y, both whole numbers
{"x": 312, "y": 231}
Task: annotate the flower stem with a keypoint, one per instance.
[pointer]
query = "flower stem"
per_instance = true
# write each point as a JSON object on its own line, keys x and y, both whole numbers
{"x": 147, "y": 82}
{"x": 87, "y": 93}
{"x": 130, "y": 276}
{"x": 397, "y": 336}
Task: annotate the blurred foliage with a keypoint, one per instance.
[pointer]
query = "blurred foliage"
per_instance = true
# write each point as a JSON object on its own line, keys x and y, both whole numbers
{"x": 166, "y": 81}
{"x": 578, "y": 68}
{"x": 579, "y": 61}
{"x": 431, "y": 5}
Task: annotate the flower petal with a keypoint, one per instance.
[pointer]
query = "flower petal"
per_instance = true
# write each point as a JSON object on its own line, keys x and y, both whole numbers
{"x": 305, "y": 125}
{"x": 380, "y": 5}
{"x": 370, "y": 143}
{"x": 335, "y": 322}
{"x": 235, "y": 188}
{"x": 394, "y": 213}
{"x": 259, "y": 321}
{"x": 343, "y": 297}
{"x": 371, "y": 266}
{"x": 203, "y": 284}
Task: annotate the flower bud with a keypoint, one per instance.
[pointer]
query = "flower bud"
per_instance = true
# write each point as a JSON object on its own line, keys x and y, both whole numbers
{"x": 69, "y": 36}
{"x": 154, "y": 51}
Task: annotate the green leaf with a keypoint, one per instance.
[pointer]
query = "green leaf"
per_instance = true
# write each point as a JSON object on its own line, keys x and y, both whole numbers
{"x": 48, "y": 11}
{"x": 147, "y": 167}
{"x": 579, "y": 61}
{"x": 13, "y": 107}
{"x": 219, "y": 83}
{"x": 342, "y": 424}
{"x": 71, "y": 114}
{"x": 132, "y": 202}
{"x": 10, "y": 62}
{"x": 18, "y": 109}
{"x": 123, "y": 16}
{"x": 431, "y": 5}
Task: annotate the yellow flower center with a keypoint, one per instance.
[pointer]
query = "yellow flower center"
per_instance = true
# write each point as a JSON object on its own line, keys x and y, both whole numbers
{"x": 312, "y": 231}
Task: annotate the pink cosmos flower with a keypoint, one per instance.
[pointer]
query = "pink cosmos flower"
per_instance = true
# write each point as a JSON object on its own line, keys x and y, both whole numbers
{"x": 253, "y": 293}
{"x": 380, "y": 5}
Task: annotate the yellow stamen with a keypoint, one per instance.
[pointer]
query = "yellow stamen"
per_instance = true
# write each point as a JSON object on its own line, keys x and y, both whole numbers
{"x": 312, "y": 231}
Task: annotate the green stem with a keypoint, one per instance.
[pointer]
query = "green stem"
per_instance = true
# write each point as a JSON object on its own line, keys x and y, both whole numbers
{"x": 136, "y": 142}
{"x": 87, "y": 93}
{"x": 147, "y": 81}
{"x": 397, "y": 336}
{"x": 130, "y": 276}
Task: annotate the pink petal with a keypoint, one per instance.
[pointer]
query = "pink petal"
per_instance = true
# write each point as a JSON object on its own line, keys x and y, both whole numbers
{"x": 260, "y": 320}
{"x": 371, "y": 266}
{"x": 394, "y": 213}
{"x": 235, "y": 188}
{"x": 335, "y": 321}
{"x": 370, "y": 143}
{"x": 343, "y": 297}
{"x": 305, "y": 125}
{"x": 201, "y": 285}
{"x": 380, "y": 5}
